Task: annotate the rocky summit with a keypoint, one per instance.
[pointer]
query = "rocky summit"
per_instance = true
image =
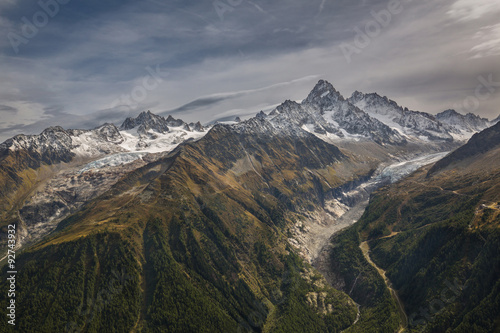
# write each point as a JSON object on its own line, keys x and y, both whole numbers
{"x": 328, "y": 214}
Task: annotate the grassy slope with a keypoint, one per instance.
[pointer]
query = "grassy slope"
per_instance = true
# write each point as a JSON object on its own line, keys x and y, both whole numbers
{"x": 438, "y": 239}
{"x": 202, "y": 241}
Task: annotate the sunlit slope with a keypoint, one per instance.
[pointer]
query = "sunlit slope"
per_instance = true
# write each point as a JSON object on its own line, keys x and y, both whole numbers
{"x": 436, "y": 233}
{"x": 202, "y": 239}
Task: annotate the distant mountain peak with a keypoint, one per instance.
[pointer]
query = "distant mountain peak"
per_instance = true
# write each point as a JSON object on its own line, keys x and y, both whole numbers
{"x": 287, "y": 105}
{"x": 145, "y": 121}
{"x": 53, "y": 129}
{"x": 479, "y": 143}
{"x": 323, "y": 94}
{"x": 496, "y": 120}
{"x": 260, "y": 115}
{"x": 109, "y": 132}
{"x": 323, "y": 86}
{"x": 416, "y": 124}
{"x": 197, "y": 127}
{"x": 172, "y": 122}
{"x": 450, "y": 112}
{"x": 374, "y": 97}
{"x": 469, "y": 123}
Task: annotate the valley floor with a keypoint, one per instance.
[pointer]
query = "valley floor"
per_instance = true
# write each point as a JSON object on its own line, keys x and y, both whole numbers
{"x": 320, "y": 247}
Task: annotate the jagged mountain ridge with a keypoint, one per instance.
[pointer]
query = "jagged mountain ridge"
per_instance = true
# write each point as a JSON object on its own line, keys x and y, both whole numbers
{"x": 448, "y": 125}
{"x": 327, "y": 113}
{"x": 435, "y": 236}
{"x": 338, "y": 112}
{"x": 324, "y": 111}
{"x": 152, "y": 133}
{"x": 470, "y": 122}
{"x": 211, "y": 222}
{"x": 55, "y": 144}
{"x": 496, "y": 120}
{"x": 206, "y": 224}
{"x": 480, "y": 143}
{"x": 106, "y": 152}
{"x": 409, "y": 123}
{"x": 146, "y": 121}
{"x": 149, "y": 121}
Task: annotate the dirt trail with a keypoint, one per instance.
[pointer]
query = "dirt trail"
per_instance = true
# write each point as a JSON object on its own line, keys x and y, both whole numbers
{"x": 365, "y": 247}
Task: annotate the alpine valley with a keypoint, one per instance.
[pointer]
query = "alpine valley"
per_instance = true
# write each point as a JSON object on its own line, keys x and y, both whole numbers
{"x": 331, "y": 214}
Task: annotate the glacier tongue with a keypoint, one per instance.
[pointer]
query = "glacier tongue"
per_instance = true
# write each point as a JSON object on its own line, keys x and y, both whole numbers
{"x": 412, "y": 124}
{"x": 346, "y": 207}
{"x": 397, "y": 171}
{"x": 154, "y": 142}
{"x": 113, "y": 160}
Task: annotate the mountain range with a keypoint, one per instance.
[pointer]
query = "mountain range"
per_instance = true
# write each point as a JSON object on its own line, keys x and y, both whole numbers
{"x": 160, "y": 225}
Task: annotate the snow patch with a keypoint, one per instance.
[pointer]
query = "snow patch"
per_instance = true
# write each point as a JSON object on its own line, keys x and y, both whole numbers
{"x": 154, "y": 142}
{"x": 112, "y": 161}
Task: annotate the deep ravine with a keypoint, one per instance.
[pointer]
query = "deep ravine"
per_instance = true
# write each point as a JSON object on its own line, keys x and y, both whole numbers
{"x": 388, "y": 174}
{"x": 365, "y": 247}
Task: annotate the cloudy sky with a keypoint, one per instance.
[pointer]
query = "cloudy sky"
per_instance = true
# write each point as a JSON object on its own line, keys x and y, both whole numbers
{"x": 80, "y": 63}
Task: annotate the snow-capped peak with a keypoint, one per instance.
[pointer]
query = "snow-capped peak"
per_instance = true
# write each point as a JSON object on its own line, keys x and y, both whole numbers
{"x": 346, "y": 118}
{"x": 146, "y": 133}
{"x": 414, "y": 125}
{"x": 323, "y": 96}
{"x": 324, "y": 113}
{"x": 495, "y": 121}
{"x": 145, "y": 121}
{"x": 467, "y": 123}
{"x": 109, "y": 133}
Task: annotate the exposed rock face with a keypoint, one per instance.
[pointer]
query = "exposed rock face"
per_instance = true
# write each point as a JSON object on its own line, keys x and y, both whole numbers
{"x": 480, "y": 143}
{"x": 146, "y": 121}
{"x": 171, "y": 121}
{"x": 65, "y": 193}
{"x": 103, "y": 154}
{"x": 109, "y": 133}
{"x": 52, "y": 146}
{"x": 325, "y": 111}
{"x": 344, "y": 115}
{"x": 197, "y": 127}
{"x": 495, "y": 121}
{"x": 470, "y": 122}
{"x": 410, "y": 123}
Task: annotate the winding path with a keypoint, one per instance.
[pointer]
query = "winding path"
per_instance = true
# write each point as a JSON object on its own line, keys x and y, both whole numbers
{"x": 365, "y": 247}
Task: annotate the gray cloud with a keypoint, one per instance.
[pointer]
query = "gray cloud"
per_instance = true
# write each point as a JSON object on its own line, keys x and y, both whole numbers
{"x": 215, "y": 99}
{"x": 198, "y": 103}
{"x": 8, "y": 109}
{"x": 428, "y": 57}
